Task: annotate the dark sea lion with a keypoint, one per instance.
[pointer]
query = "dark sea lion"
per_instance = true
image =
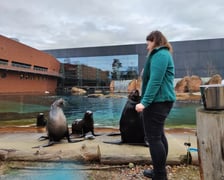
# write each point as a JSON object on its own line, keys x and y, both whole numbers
{"x": 57, "y": 127}
{"x": 131, "y": 125}
{"x": 84, "y": 125}
{"x": 41, "y": 121}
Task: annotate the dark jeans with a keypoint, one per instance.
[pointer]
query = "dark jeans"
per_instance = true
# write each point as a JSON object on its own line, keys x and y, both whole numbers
{"x": 154, "y": 117}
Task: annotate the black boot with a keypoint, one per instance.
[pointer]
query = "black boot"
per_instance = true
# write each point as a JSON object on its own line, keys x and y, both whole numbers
{"x": 148, "y": 173}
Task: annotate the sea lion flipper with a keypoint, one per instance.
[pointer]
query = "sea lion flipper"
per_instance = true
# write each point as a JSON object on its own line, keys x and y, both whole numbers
{"x": 93, "y": 133}
{"x": 98, "y": 134}
{"x": 121, "y": 142}
{"x": 50, "y": 143}
{"x": 42, "y": 138}
{"x": 114, "y": 134}
{"x": 113, "y": 142}
{"x": 75, "y": 141}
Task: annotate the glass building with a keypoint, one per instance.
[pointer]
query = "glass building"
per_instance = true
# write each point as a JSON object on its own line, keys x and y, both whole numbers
{"x": 203, "y": 58}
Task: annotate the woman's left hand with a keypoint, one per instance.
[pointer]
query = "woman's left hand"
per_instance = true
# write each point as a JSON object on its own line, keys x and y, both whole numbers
{"x": 139, "y": 107}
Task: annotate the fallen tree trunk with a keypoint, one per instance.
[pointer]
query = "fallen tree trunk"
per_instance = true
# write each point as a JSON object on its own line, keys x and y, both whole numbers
{"x": 41, "y": 155}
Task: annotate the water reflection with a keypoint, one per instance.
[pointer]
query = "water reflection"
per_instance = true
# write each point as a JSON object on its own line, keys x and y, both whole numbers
{"x": 106, "y": 111}
{"x": 183, "y": 113}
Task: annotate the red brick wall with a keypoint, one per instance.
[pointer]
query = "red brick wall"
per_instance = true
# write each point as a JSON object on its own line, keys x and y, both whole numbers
{"x": 15, "y": 51}
{"x": 13, "y": 83}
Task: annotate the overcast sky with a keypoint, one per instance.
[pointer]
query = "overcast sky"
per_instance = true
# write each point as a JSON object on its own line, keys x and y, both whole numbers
{"x": 55, "y": 24}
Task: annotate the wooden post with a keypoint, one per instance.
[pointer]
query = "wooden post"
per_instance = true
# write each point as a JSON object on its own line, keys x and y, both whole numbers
{"x": 210, "y": 137}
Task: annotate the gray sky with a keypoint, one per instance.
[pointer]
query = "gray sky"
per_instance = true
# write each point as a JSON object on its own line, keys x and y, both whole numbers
{"x": 55, "y": 24}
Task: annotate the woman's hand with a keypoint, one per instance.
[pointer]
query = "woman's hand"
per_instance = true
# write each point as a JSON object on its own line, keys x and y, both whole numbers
{"x": 139, "y": 107}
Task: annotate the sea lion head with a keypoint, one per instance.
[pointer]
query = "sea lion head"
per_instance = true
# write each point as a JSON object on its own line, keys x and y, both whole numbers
{"x": 134, "y": 95}
{"x": 88, "y": 115}
{"x": 58, "y": 103}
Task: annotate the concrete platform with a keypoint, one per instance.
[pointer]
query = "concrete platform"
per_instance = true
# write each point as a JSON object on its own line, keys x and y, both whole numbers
{"x": 16, "y": 144}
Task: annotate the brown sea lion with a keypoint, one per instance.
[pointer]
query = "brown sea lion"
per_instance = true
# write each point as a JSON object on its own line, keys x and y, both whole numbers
{"x": 57, "y": 127}
{"x": 84, "y": 125}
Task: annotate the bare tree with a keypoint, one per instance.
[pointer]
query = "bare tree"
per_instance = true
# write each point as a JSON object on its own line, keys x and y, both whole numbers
{"x": 187, "y": 68}
{"x": 116, "y": 65}
{"x": 210, "y": 68}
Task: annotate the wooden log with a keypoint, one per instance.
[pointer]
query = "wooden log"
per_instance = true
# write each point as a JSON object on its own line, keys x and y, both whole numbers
{"x": 90, "y": 154}
{"x": 86, "y": 153}
{"x": 210, "y": 137}
{"x": 118, "y": 160}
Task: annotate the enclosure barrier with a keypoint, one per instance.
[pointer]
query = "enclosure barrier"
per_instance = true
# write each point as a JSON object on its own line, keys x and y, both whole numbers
{"x": 210, "y": 138}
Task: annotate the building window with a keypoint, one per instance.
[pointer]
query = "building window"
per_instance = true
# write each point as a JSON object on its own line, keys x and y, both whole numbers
{"x": 99, "y": 70}
{"x": 39, "y": 68}
{"x": 4, "y": 62}
{"x": 21, "y": 65}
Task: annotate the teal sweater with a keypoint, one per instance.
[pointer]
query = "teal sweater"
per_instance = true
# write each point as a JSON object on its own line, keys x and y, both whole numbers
{"x": 158, "y": 77}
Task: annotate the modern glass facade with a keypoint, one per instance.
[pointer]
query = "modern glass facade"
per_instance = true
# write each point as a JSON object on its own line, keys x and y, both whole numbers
{"x": 203, "y": 58}
{"x": 120, "y": 67}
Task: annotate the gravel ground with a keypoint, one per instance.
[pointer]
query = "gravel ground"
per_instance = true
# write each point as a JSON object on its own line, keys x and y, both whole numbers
{"x": 181, "y": 172}
{"x": 103, "y": 172}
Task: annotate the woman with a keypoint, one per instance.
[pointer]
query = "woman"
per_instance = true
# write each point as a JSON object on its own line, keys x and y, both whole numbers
{"x": 158, "y": 96}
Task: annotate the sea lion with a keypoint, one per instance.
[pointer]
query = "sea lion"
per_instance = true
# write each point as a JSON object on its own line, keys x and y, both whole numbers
{"x": 41, "y": 121}
{"x": 57, "y": 127}
{"x": 131, "y": 125}
{"x": 84, "y": 125}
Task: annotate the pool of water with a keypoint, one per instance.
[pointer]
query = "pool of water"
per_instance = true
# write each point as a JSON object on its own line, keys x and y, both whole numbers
{"x": 106, "y": 111}
{"x": 46, "y": 171}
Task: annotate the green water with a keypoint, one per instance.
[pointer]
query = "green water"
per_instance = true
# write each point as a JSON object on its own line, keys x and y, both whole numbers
{"x": 23, "y": 109}
{"x": 106, "y": 111}
{"x": 20, "y": 107}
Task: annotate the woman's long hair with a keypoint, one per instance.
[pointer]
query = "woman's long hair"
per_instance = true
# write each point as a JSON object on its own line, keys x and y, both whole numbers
{"x": 159, "y": 39}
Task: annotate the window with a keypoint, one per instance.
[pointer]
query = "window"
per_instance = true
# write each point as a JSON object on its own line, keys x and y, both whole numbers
{"x": 39, "y": 68}
{"x": 3, "y": 62}
{"x": 21, "y": 65}
{"x": 120, "y": 67}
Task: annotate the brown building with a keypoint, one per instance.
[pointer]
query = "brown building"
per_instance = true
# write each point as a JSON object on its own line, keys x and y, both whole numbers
{"x": 81, "y": 75}
{"x": 24, "y": 69}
